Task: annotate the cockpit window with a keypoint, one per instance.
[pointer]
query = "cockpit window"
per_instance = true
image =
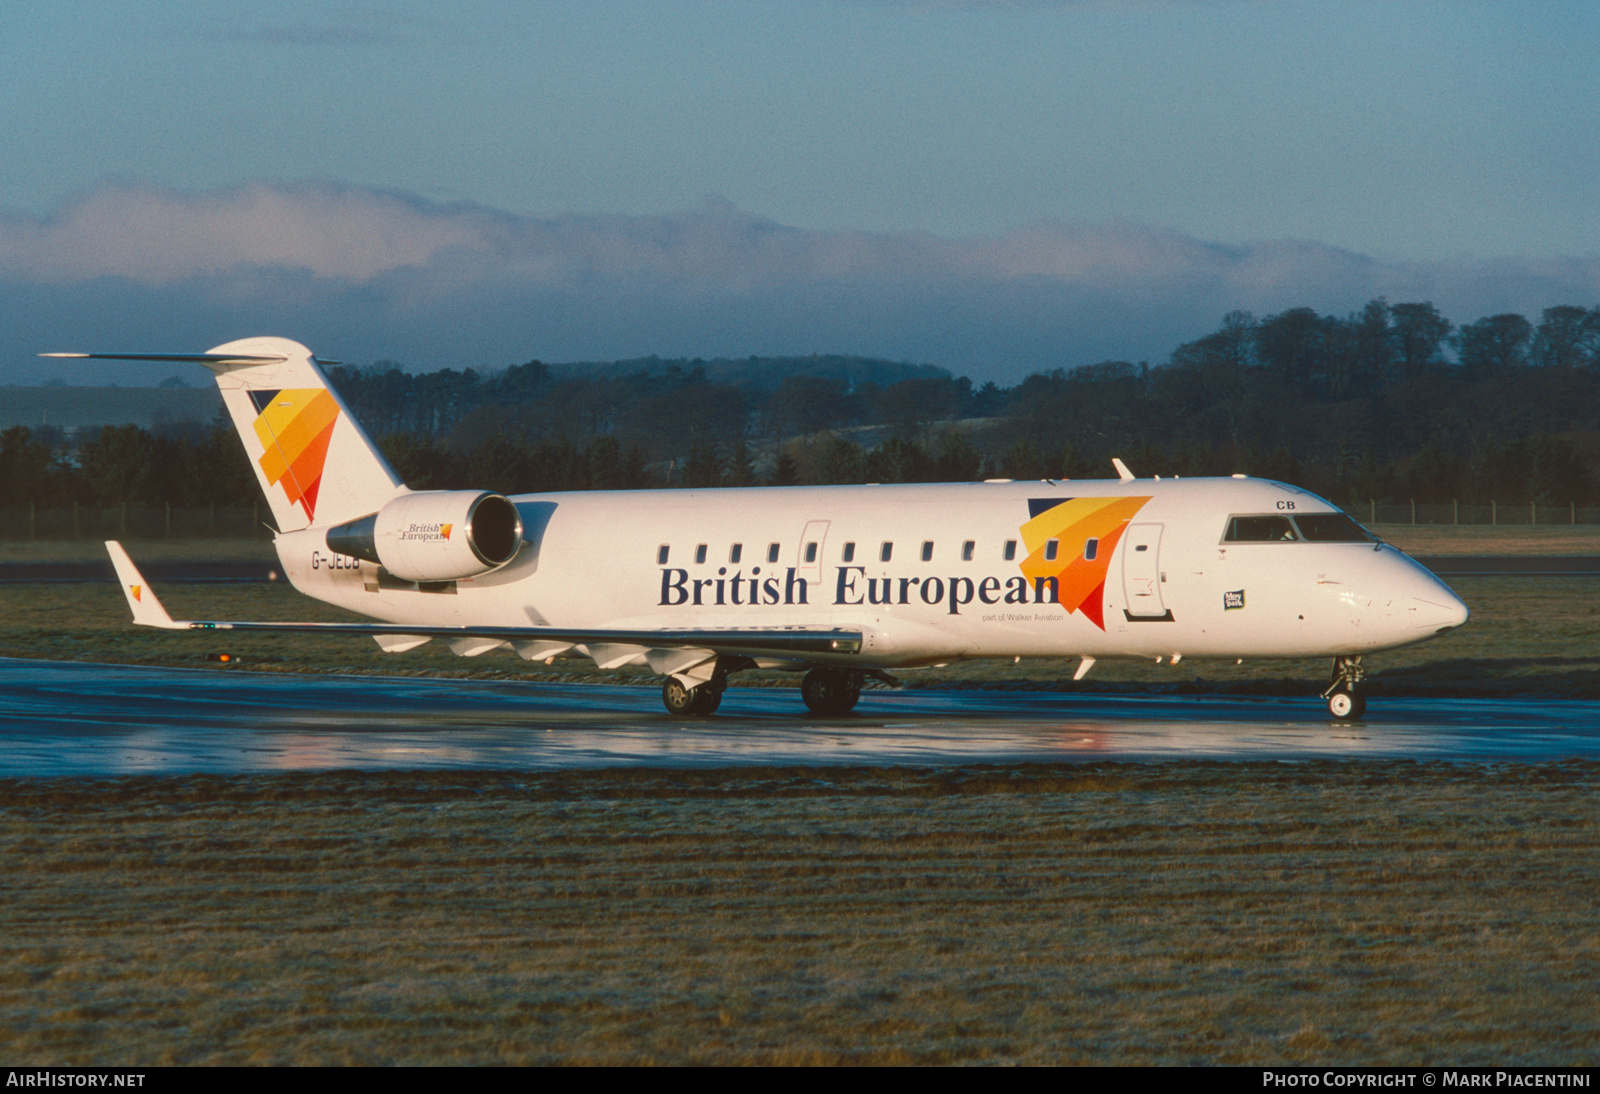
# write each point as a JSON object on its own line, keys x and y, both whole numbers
{"x": 1330, "y": 528}
{"x": 1264, "y": 529}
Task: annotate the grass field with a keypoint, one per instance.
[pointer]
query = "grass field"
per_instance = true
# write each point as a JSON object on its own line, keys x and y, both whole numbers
{"x": 154, "y": 550}
{"x": 1168, "y": 913}
{"x": 1478, "y": 539}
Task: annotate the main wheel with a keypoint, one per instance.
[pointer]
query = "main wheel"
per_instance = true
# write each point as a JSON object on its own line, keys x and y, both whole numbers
{"x": 707, "y": 699}
{"x": 681, "y": 701}
{"x": 1347, "y": 706}
{"x": 830, "y": 691}
{"x": 678, "y": 699}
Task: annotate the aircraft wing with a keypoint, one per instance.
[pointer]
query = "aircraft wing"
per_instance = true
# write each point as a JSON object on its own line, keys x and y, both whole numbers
{"x": 782, "y": 642}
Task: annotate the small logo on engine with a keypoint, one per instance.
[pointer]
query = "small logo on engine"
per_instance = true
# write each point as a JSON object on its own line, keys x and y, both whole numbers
{"x": 433, "y": 532}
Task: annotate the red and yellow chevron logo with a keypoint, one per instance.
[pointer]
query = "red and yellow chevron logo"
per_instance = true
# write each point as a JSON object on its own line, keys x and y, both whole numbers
{"x": 1072, "y": 523}
{"x": 294, "y": 426}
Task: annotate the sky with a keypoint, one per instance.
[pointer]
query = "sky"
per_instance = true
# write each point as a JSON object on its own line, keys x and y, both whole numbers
{"x": 991, "y": 187}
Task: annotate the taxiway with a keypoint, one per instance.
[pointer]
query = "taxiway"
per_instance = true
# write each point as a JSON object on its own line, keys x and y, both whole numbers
{"x": 68, "y": 718}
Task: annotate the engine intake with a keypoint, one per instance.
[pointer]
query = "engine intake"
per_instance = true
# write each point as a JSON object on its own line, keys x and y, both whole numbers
{"x": 435, "y": 535}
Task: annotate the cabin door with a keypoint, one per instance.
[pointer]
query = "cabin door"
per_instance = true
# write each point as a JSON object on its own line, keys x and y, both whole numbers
{"x": 812, "y": 541}
{"x": 1141, "y": 572}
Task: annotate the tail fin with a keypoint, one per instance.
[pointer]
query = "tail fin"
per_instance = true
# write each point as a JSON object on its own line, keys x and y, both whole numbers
{"x": 313, "y": 461}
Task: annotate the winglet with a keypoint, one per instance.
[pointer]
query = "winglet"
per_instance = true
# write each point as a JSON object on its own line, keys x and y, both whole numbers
{"x": 147, "y": 610}
{"x": 1122, "y": 470}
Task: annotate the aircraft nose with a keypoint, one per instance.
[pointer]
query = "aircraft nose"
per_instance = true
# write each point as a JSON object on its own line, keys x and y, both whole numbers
{"x": 1438, "y": 610}
{"x": 1433, "y": 607}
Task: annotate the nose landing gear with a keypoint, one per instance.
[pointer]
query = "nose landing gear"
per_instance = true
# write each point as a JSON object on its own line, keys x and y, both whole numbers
{"x": 1345, "y": 701}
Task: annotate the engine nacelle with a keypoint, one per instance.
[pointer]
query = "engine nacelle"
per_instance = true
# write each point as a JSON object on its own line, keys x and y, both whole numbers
{"x": 435, "y": 535}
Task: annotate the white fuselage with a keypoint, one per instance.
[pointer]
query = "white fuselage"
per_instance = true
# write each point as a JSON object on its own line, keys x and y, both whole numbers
{"x": 1138, "y": 569}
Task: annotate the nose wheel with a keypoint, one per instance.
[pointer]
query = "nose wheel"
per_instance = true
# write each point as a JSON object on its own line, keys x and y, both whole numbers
{"x": 1345, "y": 701}
{"x": 1347, "y": 706}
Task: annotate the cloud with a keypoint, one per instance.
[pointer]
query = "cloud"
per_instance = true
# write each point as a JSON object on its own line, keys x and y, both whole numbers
{"x": 153, "y": 235}
{"x": 365, "y": 274}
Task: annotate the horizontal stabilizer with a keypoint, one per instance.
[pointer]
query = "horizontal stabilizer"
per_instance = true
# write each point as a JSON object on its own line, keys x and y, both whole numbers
{"x": 208, "y": 359}
{"x": 311, "y": 458}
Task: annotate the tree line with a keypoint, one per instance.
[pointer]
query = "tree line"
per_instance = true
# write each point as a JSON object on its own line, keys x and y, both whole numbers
{"x": 1388, "y": 403}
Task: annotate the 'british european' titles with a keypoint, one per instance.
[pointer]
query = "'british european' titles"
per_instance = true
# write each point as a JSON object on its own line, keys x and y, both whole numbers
{"x": 851, "y": 587}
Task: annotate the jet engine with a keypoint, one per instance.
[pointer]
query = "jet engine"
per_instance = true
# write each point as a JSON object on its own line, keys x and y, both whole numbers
{"x": 435, "y": 535}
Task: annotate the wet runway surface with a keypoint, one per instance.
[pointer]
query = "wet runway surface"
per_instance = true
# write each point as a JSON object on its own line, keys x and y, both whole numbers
{"x": 61, "y": 718}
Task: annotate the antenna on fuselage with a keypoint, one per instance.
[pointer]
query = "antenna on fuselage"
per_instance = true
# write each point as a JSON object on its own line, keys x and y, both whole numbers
{"x": 1122, "y": 470}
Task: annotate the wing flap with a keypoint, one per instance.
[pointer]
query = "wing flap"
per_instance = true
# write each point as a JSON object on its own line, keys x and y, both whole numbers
{"x": 780, "y": 642}
{"x": 785, "y": 642}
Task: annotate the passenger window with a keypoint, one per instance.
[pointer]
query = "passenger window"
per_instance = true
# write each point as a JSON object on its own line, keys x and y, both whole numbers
{"x": 735, "y": 552}
{"x": 927, "y": 550}
{"x": 849, "y": 554}
{"x": 772, "y": 552}
{"x": 700, "y": 553}
{"x": 811, "y": 552}
{"x": 1091, "y": 548}
{"x": 1264, "y": 529}
{"x": 886, "y": 552}
{"x": 1051, "y": 548}
{"x": 661, "y": 554}
{"x": 966, "y": 550}
{"x": 1011, "y": 550}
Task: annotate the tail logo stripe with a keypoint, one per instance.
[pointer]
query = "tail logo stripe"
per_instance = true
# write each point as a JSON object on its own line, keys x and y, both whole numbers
{"x": 1080, "y": 581}
{"x": 295, "y": 427}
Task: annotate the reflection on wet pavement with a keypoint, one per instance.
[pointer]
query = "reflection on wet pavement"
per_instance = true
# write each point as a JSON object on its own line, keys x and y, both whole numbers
{"x": 59, "y": 718}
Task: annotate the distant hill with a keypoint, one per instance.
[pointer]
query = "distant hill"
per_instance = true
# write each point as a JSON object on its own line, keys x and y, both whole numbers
{"x": 765, "y": 374}
{"x": 76, "y": 408}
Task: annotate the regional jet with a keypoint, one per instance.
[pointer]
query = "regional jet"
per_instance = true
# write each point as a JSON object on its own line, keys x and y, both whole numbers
{"x": 838, "y": 584}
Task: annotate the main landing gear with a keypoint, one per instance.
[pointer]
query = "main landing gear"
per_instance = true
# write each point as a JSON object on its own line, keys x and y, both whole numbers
{"x": 704, "y": 699}
{"x": 1345, "y": 701}
{"x": 830, "y": 690}
{"x": 826, "y": 691}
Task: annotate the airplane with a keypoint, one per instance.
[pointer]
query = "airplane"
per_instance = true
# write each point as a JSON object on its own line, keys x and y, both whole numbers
{"x": 837, "y": 583}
